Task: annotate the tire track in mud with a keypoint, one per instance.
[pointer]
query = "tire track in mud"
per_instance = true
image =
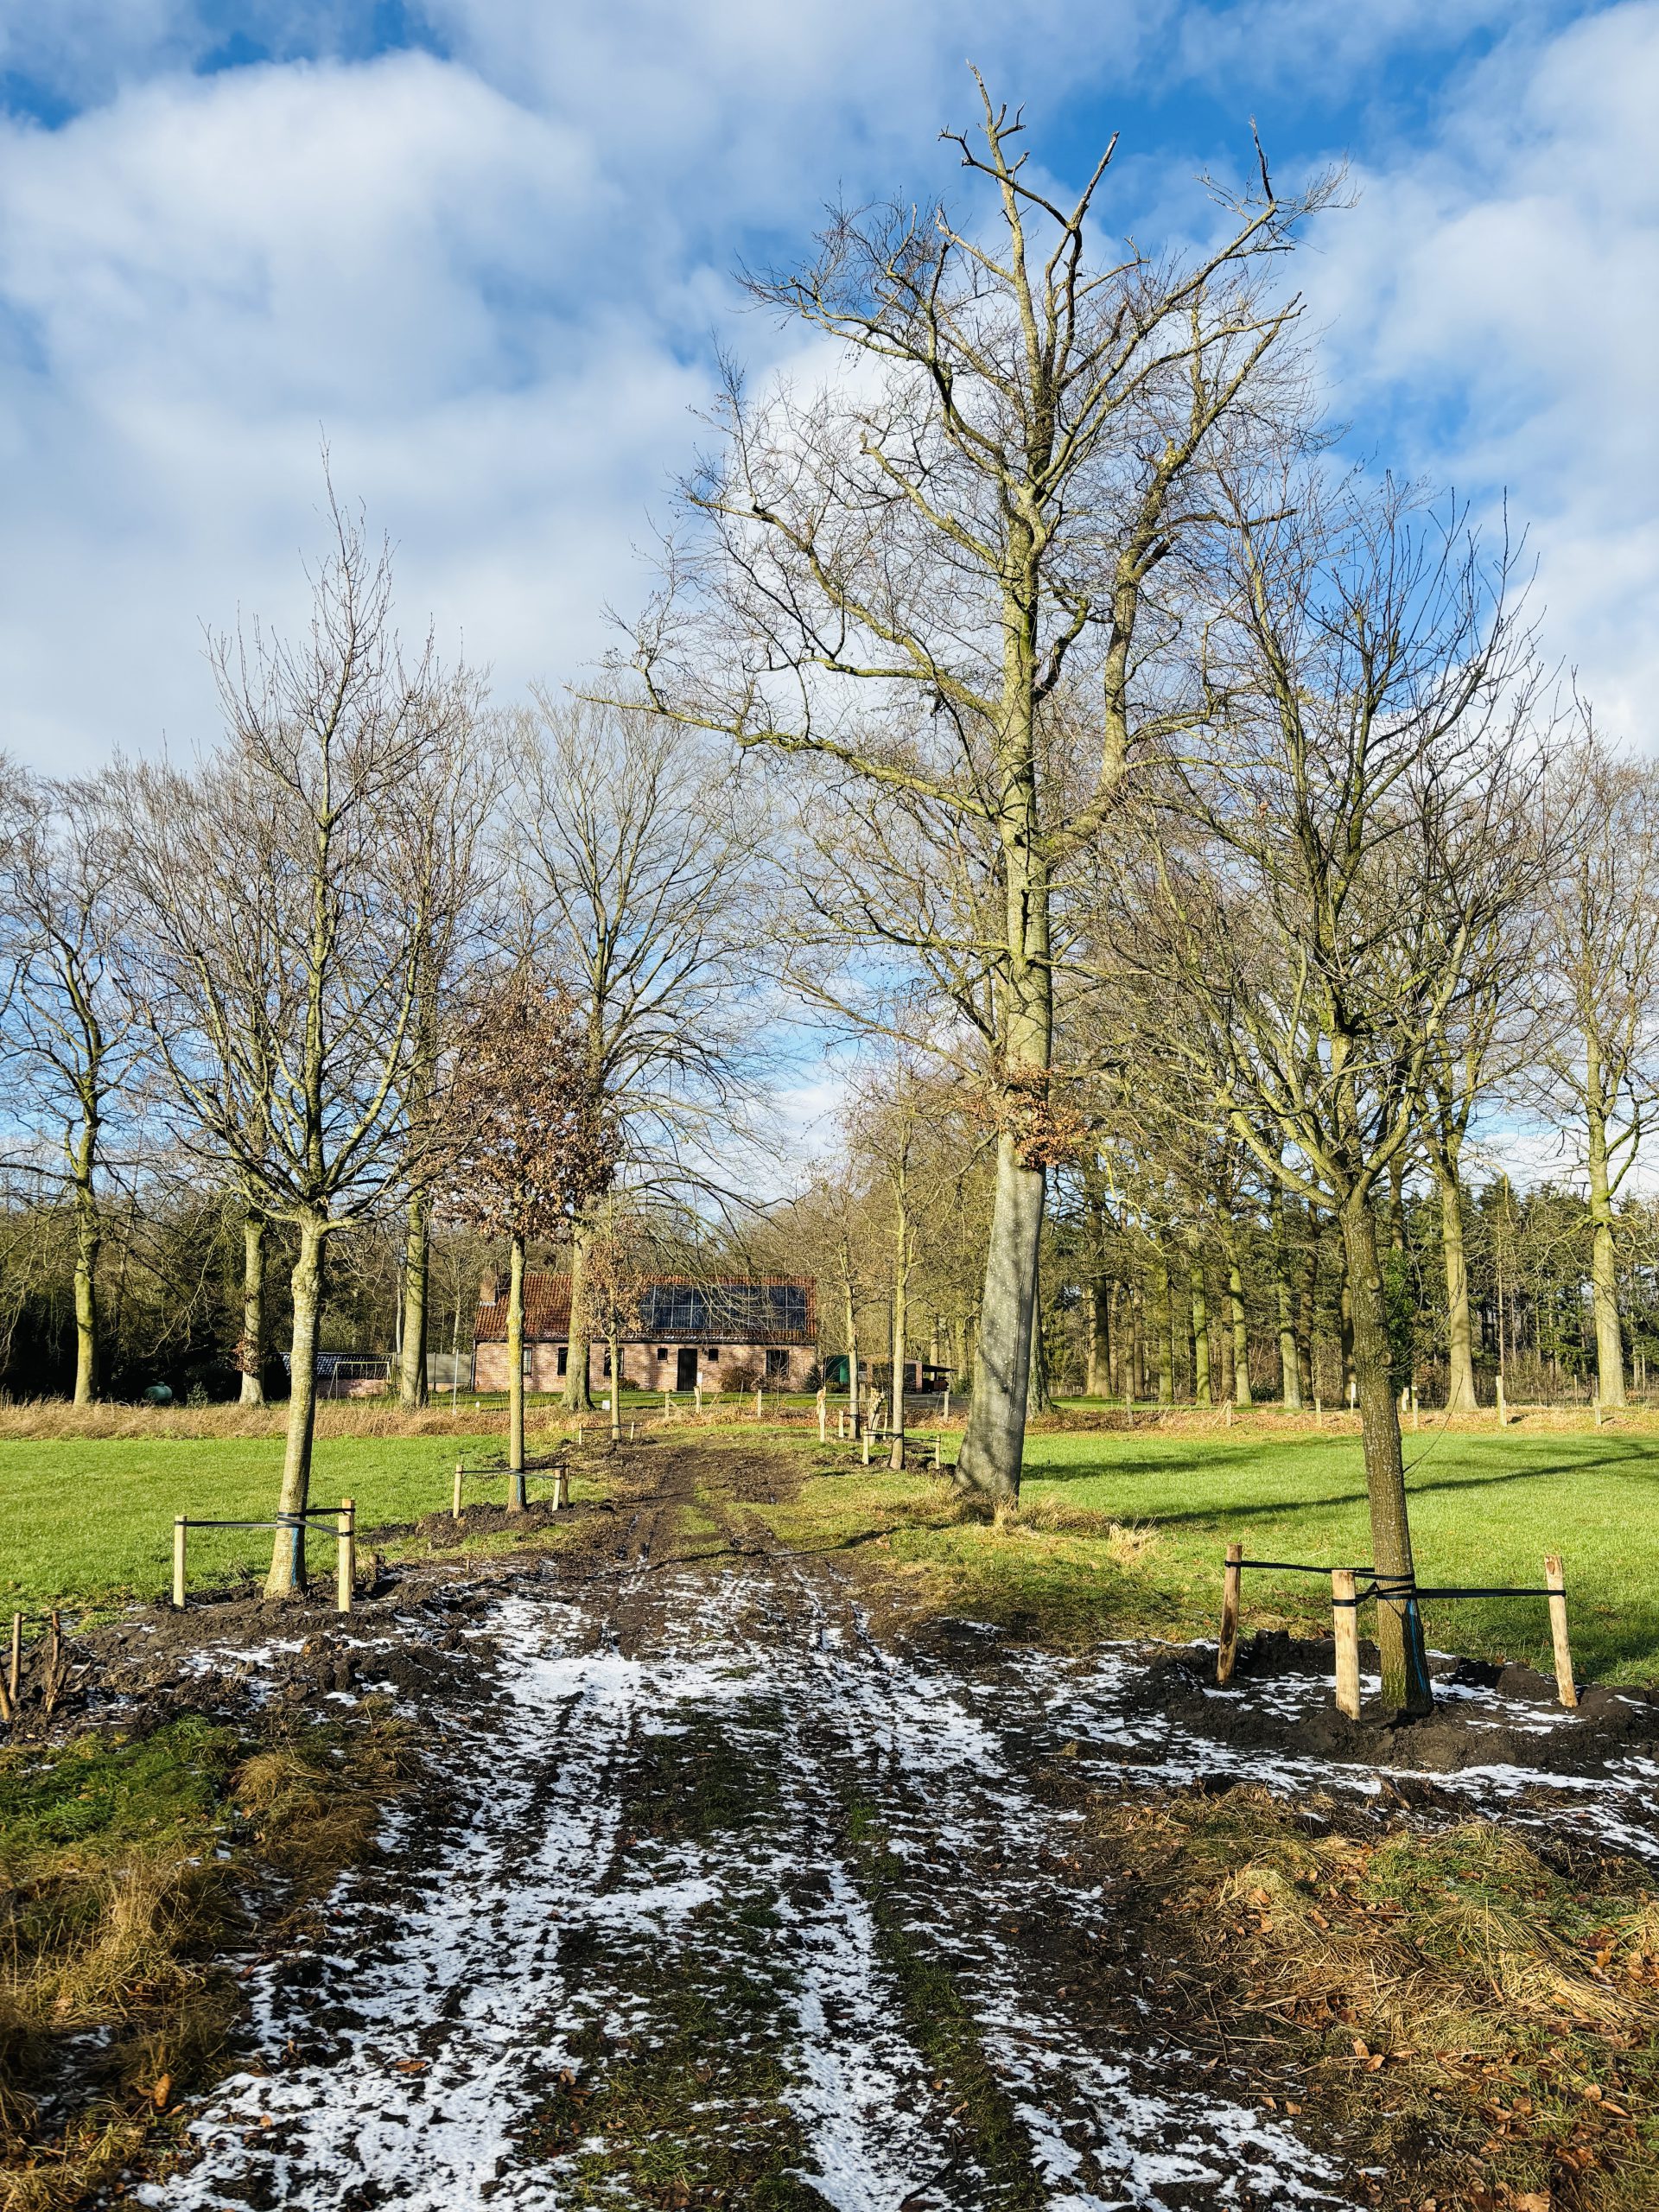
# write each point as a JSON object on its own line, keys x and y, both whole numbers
{"x": 719, "y": 1902}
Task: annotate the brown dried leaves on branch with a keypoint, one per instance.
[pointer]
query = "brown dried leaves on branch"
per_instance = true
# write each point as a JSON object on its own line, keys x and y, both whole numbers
{"x": 527, "y": 1140}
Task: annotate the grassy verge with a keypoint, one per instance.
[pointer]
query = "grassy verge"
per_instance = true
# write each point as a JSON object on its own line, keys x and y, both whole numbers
{"x": 1122, "y": 1534}
{"x": 1482, "y": 2018}
{"x": 125, "y": 1867}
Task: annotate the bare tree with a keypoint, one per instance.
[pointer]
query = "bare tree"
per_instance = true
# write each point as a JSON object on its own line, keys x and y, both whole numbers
{"x": 459, "y": 787}
{"x": 899, "y": 577}
{"x": 528, "y": 1145}
{"x": 1330, "y": 876}
{"x": 69, "y": 1039}
{"x": 636, "y": 859}
{"x": 1600, "y": 1055}
{"x": 285, "y": 892}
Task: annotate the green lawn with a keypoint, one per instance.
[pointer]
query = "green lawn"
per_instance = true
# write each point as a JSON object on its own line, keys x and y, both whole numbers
{"x": 88, "y": 1521}
{"x": 1484, "y": 1509}
{"x": 91, "y": 1521}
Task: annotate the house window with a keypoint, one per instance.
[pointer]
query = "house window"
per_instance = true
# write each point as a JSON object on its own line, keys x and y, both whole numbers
{"x": 662, "y": 1351}
{"x": 714, "y": 1351}
{"x": 564, "y": 1359}
{"x": 776, "y": 1362}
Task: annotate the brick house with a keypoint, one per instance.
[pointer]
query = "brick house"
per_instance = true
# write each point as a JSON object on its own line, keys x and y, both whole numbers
{"x": 728, "y": 1335}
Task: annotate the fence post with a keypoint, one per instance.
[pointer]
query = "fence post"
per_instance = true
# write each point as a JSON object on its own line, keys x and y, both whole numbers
{"x": 696, "y": 1396}
{"x": 1567, "y": 1689}
{"x": 180, "y": 1526}
{"x": 1344, "y": 1623}
{"x": 455, "y": 1508}
{"x": 344, "y": 1555}
{"x": 1227, "y": 1647}
{"x": 867, "y": 1444}
{"x": 15, "y": 1669}
{"x": 824, "y": 1417}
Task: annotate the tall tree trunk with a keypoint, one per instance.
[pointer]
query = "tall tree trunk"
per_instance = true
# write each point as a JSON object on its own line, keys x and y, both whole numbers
{"x": 1345, "y": 1319}
{"x": 852, "y": 1354}
{"x": 89, "y": 1239}
{"x": 1290, "y": 1365}
{"x": 1200, "y": 1296}
{"x": 900, "y": 1331}
{"x": 993, "y": 1442}
{"x": 1603, "y": 1267}
{"x": 1399, "y": 1624}
{"x": 1459, "y": 1334}
{"x": 1243, "y": 1395}
{"x": 250, "y": 1352}
{"x": 1115, "y": 1341}
{"x": 1308, "y": 1306}
{"x": 578, "y": 1382}
{"x": 1137, "y": 1342}
{"x": 288, "y": 1552}
{"x": 1163, "y": 1326}
{"x": 515, "y": 1375}
{"x": 1098, "y": 1381}
{"x": 411, "y": 1382}
{"x": 1040, "y": 1399}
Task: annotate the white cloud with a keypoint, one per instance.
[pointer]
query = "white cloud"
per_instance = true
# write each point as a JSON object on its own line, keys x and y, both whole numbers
{"x": 492, "y": 277}
{"x": 1499, "y": 299}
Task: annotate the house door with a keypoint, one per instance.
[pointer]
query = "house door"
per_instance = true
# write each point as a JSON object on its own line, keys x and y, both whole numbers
{"x": 685, "y": 1368}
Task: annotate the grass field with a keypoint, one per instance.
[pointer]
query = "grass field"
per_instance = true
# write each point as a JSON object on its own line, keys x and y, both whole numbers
{"x": 88, "y": 1521}
{"x": 1123, "y": 1531}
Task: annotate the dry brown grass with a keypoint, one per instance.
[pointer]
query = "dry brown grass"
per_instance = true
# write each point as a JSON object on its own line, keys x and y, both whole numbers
{"x": 54, "y": 1420}
{"x": 119, "y": 1929}
{"x": 1491, "y": 2025}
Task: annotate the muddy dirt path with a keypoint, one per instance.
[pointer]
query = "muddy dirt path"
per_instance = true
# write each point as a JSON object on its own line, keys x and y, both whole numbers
{"x": 718, "y": 1901}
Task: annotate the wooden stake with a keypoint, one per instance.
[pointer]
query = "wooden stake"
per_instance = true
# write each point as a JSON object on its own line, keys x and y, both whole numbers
{"x": 455, "y": 1508}
{"x": 1344, "y": 1622}
{"x": 1414, "y": 1406}
{"x": 841, "y": 1425}
{"x": 1318, "y": 1413}
{"x": 52, "y": 1688}
{"x": 15, "y": 1669}
{"x": 945, "y": 1415}
{"x": 867, "y": 1447}
{"x": 1565, "y": 1687}
{"x": 697, "y": 1394}
{"x": 823, "y": 1418}
{"x": 345, "y": 1556}
{"x": 1227, "y": 1649}
{"x": 180, "y": 1527}
{"x": 939, "y": 1447}
{"x": 1503, "y": 1410}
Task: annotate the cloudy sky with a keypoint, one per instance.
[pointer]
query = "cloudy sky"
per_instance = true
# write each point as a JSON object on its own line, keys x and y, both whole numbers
{"x": 487, "y": 247}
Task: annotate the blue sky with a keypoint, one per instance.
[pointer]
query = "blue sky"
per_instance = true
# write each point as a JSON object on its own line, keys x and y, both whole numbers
{"x": 488, "y": 246}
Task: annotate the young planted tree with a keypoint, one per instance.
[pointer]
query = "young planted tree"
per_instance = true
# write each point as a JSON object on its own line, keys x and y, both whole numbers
{"x": 900, "y": 578}
{"x": 529, "y": 1144}
{"x": 619, "y": 1276}
{"x": 281, "y": 895}
{"x": 67, "y": 1042}
{"x": 1600, "y": 1052}
{"x": 1328, "y": 883}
